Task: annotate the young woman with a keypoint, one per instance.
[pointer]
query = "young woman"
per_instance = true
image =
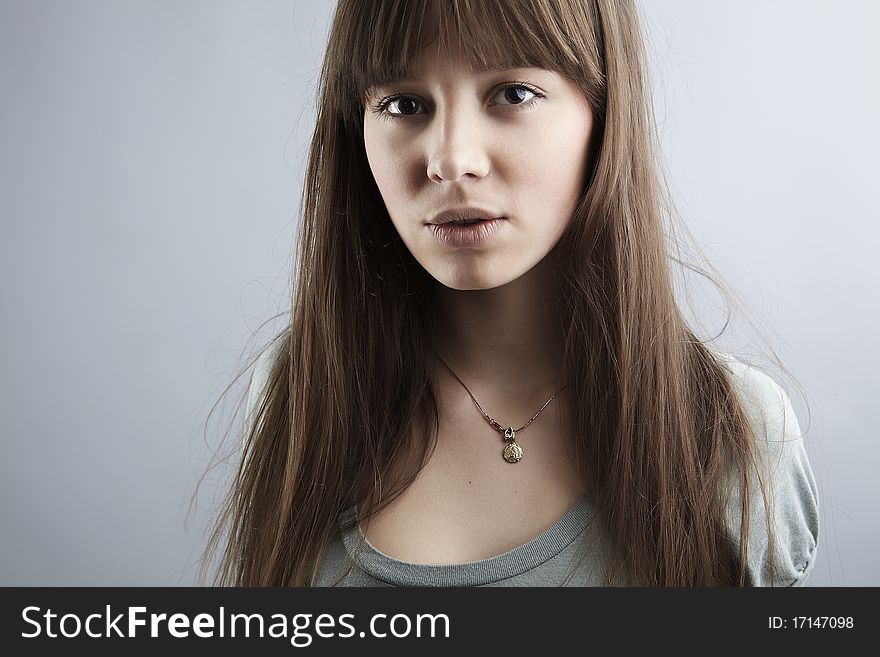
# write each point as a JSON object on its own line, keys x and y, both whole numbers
{"x": 517, "y": 401}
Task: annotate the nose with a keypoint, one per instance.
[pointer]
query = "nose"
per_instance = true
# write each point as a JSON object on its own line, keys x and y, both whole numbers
{"x": 457, "y": 144}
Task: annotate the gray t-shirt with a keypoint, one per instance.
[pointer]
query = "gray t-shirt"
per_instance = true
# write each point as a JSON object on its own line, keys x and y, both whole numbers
{"x": 549, "y": 558}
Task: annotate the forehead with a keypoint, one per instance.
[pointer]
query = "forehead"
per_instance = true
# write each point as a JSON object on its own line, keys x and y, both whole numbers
{"x": 423, "y": 47}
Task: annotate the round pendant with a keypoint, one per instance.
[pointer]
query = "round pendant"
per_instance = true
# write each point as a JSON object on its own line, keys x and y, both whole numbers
{"x": 512, "y": 452}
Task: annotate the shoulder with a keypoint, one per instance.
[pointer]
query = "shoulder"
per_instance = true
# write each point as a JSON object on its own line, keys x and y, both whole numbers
{"x": 784, "y": 465}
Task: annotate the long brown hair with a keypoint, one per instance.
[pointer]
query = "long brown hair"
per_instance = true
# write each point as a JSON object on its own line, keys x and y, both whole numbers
{"x": 662, "y": 427}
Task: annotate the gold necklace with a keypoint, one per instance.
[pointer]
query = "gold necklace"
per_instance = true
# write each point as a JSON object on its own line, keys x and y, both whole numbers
{"x": 512, "y": 453}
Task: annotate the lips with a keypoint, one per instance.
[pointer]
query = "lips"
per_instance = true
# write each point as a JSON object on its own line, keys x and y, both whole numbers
{"x": 473, "y": 236}
{"x": 464, "y": 213}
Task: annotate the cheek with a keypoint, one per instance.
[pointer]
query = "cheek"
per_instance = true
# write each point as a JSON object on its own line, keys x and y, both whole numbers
{"x": 553, "y": 173}
{"x": 387, "y": 165}
{"x": 560, "y": 161}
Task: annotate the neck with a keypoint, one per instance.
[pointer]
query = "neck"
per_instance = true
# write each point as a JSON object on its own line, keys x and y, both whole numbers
{"x": 505, "y": 341}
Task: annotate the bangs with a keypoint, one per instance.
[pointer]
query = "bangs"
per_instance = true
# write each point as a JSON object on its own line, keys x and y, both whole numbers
{"x": 490, "y": 34}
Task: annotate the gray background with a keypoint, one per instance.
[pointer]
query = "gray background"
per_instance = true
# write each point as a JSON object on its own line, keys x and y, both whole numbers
{"x": 151, "y": 157}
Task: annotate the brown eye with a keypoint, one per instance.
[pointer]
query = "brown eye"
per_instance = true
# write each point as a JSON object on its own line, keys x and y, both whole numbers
{"x": 405, "y": 105}
{"x": 518, "y": 94}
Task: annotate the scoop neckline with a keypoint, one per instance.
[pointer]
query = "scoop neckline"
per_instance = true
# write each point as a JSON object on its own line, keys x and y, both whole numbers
{"x": 508, "y": 564}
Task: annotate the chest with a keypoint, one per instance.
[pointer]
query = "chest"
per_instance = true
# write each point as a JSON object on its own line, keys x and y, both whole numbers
{"x": 468, "y": 503}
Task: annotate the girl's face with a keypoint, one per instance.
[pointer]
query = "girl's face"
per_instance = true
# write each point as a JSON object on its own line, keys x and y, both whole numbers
{"x": 514, "y": 143}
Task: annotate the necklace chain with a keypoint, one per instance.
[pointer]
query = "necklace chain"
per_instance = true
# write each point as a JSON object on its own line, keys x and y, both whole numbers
{"x": 512, "y": 452}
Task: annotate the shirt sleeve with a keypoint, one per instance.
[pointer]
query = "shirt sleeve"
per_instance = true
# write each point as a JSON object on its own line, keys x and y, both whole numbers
{"x": 257, "y": 386}
{"x": 793, "y": 493}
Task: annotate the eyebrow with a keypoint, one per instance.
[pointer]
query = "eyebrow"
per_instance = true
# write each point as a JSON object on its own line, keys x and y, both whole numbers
{"x": 481, "y": 70}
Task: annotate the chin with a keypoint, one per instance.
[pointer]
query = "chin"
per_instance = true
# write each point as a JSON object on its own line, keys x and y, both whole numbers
{"x": 471, "y": 281}
{"x": 466, "y": 288}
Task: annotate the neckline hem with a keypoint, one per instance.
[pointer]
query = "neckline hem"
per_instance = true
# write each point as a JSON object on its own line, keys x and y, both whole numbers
{"x": 516, "y": 561}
